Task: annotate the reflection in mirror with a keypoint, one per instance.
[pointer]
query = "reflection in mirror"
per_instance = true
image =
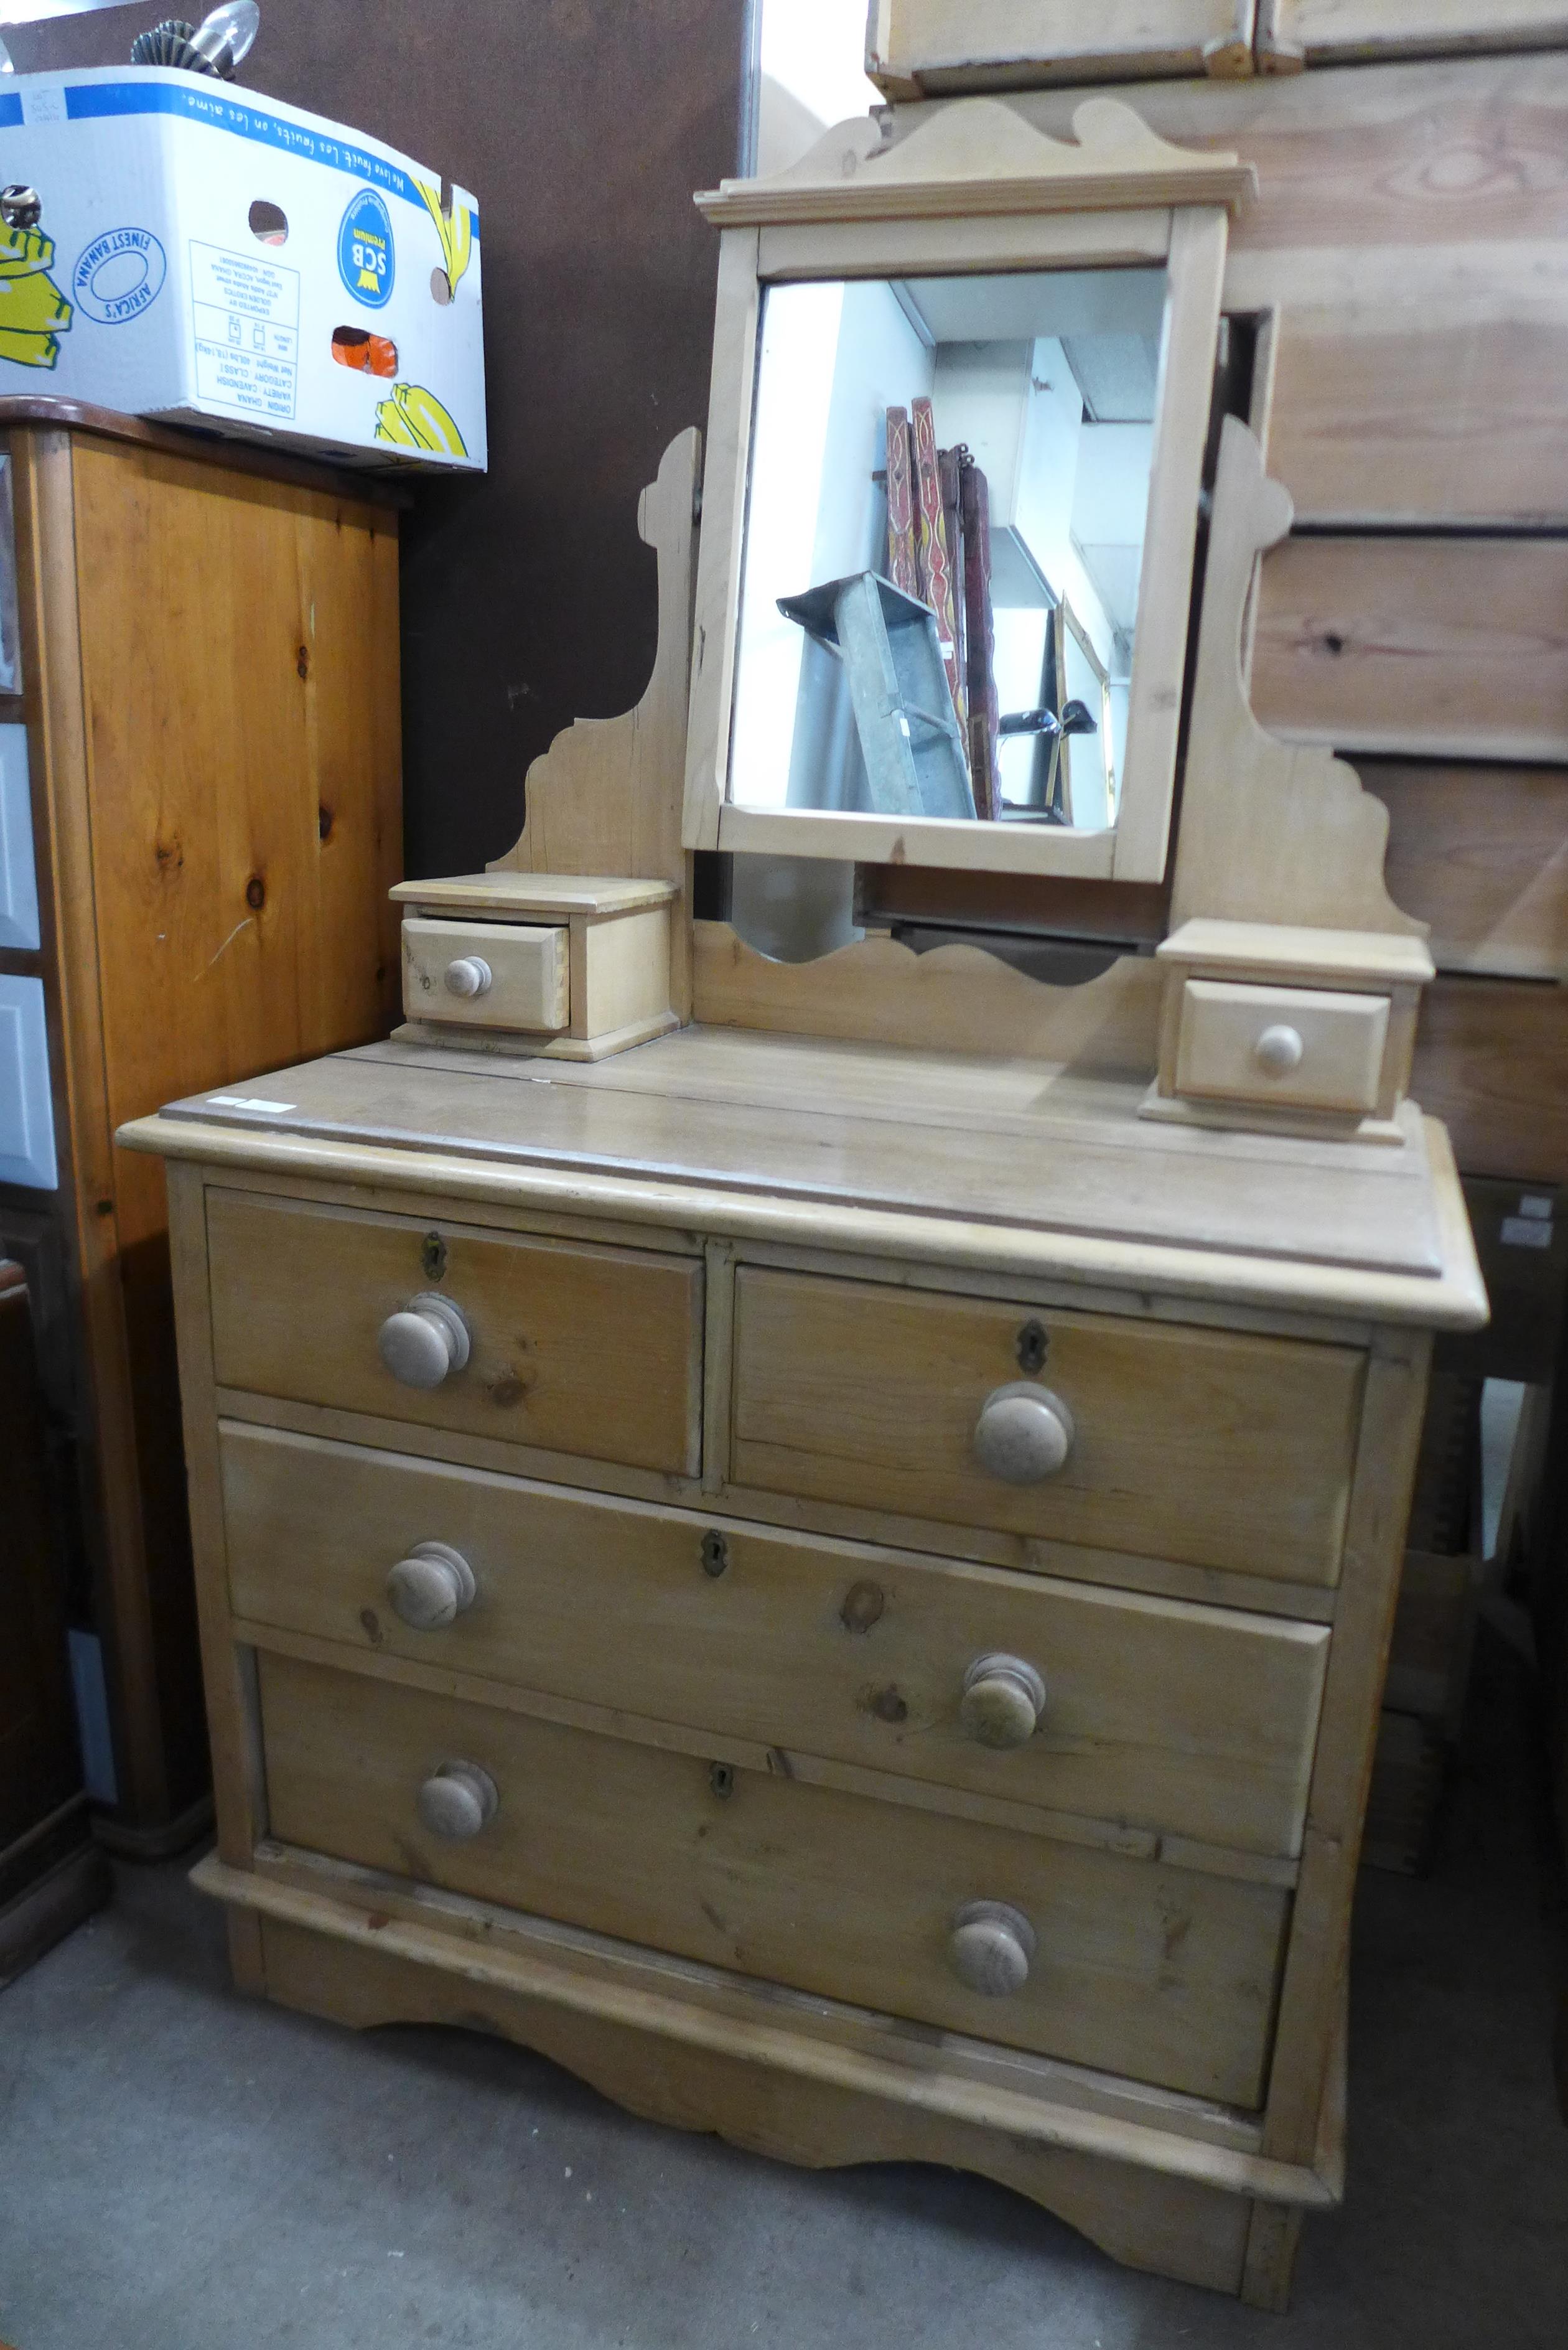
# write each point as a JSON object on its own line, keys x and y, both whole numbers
{"x": 949, "y": 488}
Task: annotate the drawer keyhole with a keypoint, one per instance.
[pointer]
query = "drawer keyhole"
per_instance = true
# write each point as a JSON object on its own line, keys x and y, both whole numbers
{"x": 1033, "y": 1346}
{"x": 715, "y": 1555}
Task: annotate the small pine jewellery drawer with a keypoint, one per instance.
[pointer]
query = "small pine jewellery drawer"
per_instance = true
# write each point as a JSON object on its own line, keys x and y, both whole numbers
{"x": 1299, "y": 1047}
{"x": 1195, "y": 1721}
{"x": 591, "y": 1351}
{"x": 1209, "y": 1448}
{"x": 510, "y": 975}
{"x": 1160, "y": 1973}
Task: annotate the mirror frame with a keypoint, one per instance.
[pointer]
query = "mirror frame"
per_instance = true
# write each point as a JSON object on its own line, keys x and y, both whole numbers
{"x": 972, "y": 189}
{"x": 1066, "y": 623}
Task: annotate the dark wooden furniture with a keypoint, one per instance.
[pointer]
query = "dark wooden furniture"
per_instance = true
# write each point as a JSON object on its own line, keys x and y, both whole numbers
{"x": 52, "y": 1874}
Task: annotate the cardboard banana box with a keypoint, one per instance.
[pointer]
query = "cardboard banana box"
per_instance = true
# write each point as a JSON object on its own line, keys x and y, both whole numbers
{"x": 174, "y": 247}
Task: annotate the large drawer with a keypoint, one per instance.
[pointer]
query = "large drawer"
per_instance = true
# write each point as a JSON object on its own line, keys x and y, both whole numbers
{"x": 1208, "y": 1447}
{"x": 593, "y": 1351}
{"x": 1197, "y": 1721}
{"x": 1160, "y": 1973}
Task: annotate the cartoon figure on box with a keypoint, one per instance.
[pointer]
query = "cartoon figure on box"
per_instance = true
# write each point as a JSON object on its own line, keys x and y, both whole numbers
{"x": 411, "y": 416}
{"x": 34, "y": 312}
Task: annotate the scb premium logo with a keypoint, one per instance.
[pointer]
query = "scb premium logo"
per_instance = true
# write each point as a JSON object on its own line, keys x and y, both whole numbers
{"x": 366, "y": 259}
{"x": 119, "y": 275}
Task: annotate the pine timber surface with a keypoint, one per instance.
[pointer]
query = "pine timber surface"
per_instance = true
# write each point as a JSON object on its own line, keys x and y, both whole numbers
{"x": 594, "y": 1351}
{"x": 865, "y": 1392}
{"x": 1163, "y": 1974}
{"x": 209, "y": 660}
{"x": 1481, "y": 854}
{"x": 851, "y": 1129}
{"x": 1409, "y": 228}
{"x": 1196, "y": 1721}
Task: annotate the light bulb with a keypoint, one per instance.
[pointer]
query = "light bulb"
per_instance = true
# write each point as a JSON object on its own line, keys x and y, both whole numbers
{"x": 234, "y": 26}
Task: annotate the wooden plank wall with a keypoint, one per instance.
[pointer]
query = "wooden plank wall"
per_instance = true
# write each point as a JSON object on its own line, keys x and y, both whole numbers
{"x": 1411, "y": 234}
{"x": 931, "y": 48}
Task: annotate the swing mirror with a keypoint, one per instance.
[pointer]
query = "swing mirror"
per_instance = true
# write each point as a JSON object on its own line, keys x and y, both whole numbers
{"x": 944, "y": 535}
{"x": 956, "y": 453}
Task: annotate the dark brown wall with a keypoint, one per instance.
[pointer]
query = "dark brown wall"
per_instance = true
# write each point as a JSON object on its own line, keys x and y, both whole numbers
{"x": 582, "y": 127}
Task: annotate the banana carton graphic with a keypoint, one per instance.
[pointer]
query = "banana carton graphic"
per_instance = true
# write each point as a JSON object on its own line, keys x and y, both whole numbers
{"x": 172, "y": 247}
{"x": 34, "y": 312}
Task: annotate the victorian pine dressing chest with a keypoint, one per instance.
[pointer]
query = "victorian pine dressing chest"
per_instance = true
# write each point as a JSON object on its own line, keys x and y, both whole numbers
{"x": 818, "y": 1540}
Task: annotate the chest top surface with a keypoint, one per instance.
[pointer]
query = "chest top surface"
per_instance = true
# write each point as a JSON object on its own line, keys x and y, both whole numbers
{"x": 1021, "y": 1164}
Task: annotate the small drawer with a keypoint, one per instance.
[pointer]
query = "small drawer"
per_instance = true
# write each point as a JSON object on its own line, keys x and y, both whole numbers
{"x": 1196, "y": 1721}
{"x": 26, "y": 1112}
{"x": 18, "y": 878}
{"x": 1133, "y": 1967}
{"x": 591, "y": 1351}
{"x": 1302, "y": 1049}
{"x": 487, "y": 975}
{"x": 1212, "y": 1447}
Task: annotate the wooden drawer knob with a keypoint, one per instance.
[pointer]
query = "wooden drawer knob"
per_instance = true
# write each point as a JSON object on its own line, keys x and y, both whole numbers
{"x": 432, "y": 1586}
{"x": 424, "y": 1342}
{"x": 469, "y": 975}
{"x": 1003, "y": 1702}
{"x": 1023, "y": 1434}
{"x": 1279, "y": 1050}
{"x": 991, "y": 1948}
{"x": 457, "y": 1801}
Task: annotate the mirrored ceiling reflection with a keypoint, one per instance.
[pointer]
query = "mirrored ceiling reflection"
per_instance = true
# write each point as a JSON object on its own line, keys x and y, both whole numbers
{"x": 948, "y": 495}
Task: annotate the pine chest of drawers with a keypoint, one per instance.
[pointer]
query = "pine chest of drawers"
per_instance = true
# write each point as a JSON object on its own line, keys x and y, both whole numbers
{"x": 872, "y": 1675}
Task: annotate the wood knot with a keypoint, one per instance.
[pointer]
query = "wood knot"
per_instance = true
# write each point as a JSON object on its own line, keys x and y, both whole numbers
{"x": 255, "y": 893}
{"x": 863, "y": 1605}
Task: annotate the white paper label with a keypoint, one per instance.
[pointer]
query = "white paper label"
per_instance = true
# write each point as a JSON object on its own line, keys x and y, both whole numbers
{"x": 41, "y": 105}
{"x": 246, "y": 315}
{"x": 1525, "y": 1232}
{"x": 246, "y": 1101}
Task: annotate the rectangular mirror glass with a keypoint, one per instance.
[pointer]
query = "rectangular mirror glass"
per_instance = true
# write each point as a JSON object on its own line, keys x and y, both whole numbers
{"x": 947, "y": 502}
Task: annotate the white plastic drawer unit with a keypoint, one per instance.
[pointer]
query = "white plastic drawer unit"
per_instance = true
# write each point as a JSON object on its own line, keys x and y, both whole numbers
{"x": 26, "y": 1120}
{"x": 19, "y": 880}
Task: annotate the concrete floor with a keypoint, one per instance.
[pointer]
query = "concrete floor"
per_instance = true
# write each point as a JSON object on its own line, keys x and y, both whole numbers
{"x": 181, "y": 2169}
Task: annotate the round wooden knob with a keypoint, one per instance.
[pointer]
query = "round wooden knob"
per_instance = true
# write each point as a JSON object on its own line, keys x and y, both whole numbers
{"x": 424, "y": 1342}
{"x": 432, "y": 1586}
{"x": 1278, "y": 1051}
{"x": 457, "y": 1801}
{"x": 1003, "y": 1702}
{"x": 991, "y": 1948}
{"x": 469, "y": 975}
{"x": 1024, "y": 1434}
